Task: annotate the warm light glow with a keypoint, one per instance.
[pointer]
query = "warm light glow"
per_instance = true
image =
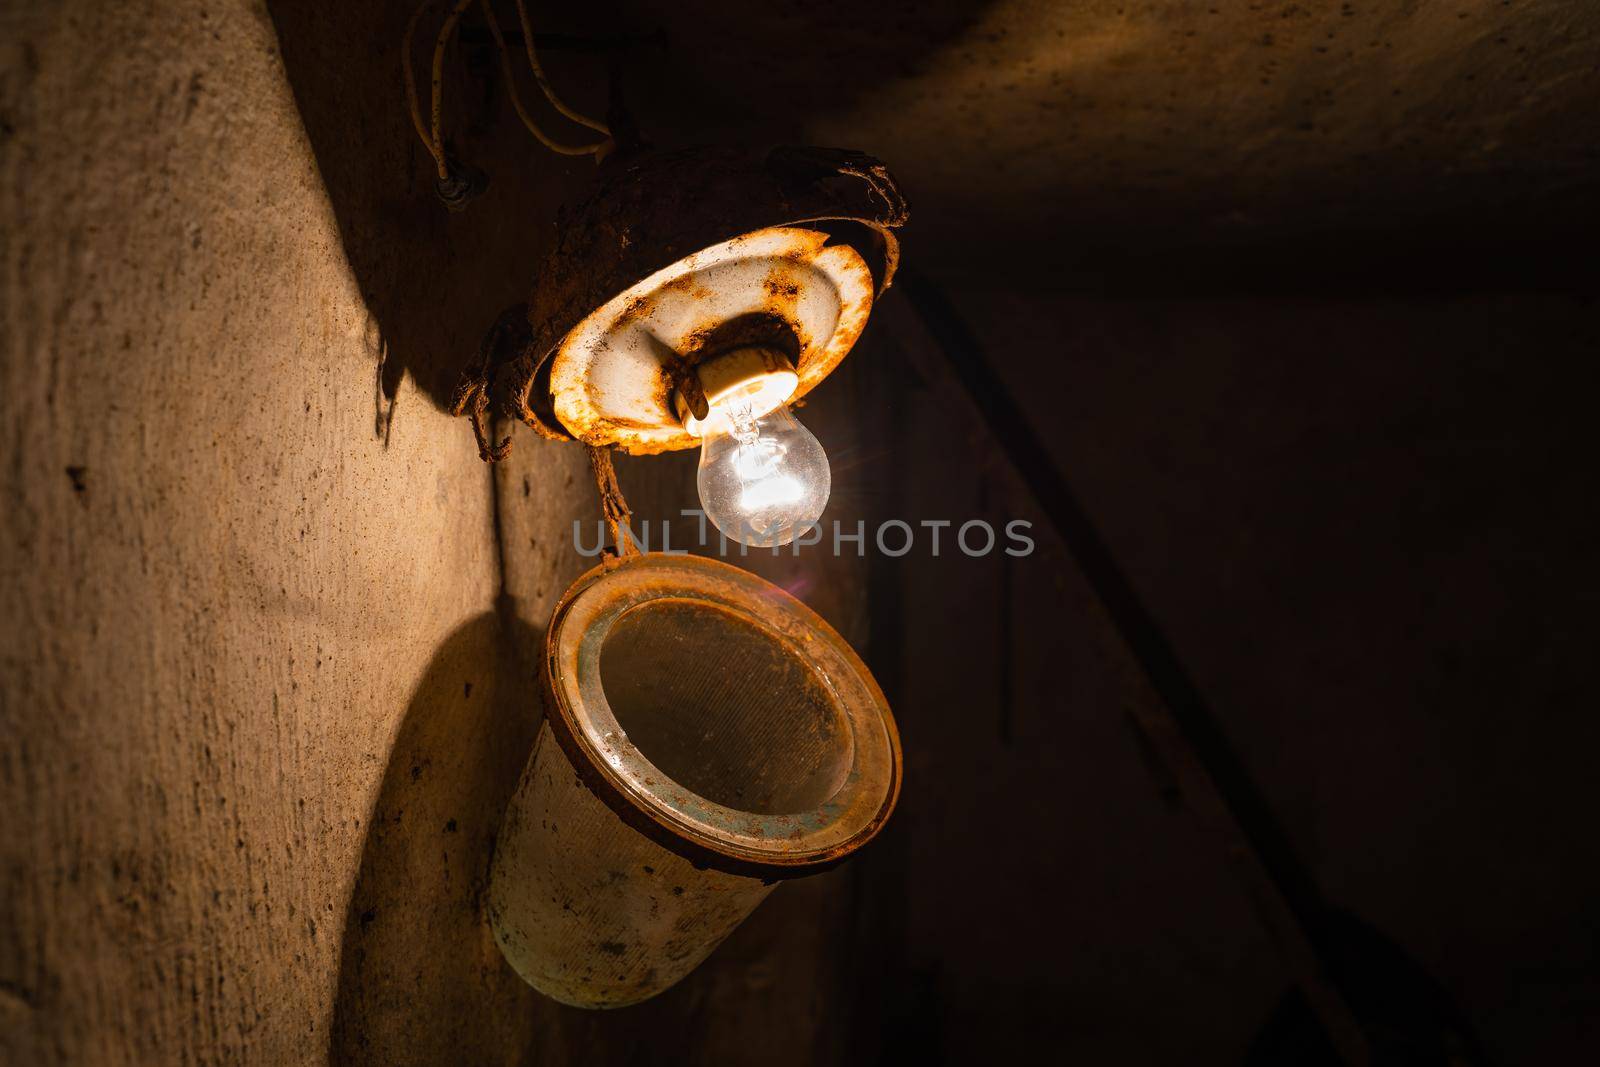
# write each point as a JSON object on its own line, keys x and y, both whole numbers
{"x": 763, "y": 477}
{"x": 772, "y": 492}
{"x": 758, "y": 396}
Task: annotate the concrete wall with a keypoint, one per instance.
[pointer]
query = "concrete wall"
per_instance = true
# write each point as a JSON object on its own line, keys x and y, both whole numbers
{"x": 235, "y": 572}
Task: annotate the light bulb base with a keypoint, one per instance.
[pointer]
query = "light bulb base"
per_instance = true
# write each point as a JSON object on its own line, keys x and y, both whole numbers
{"x": 759, "y": 377}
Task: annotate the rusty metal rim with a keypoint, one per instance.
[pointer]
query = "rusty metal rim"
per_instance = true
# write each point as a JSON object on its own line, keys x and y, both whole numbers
{"x": 659, "y": 820}
{"x": 641, "y": 420}
{"x": 645, "y": 211}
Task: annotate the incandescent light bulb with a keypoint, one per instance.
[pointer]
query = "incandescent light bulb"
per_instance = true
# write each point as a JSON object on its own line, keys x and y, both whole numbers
{"x": 763, "y": 477}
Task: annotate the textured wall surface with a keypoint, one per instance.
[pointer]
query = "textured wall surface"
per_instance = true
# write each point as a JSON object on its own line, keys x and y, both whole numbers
{"x": 234, "y": 571}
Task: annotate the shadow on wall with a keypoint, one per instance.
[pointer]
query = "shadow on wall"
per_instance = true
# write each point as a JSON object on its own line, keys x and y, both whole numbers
{"x": 420, "y": 978}
{"x": 432, "y": 281}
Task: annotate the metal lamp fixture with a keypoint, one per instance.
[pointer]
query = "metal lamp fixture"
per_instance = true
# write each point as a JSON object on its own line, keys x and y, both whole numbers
{"x": 688, "y": 301}
{"x": 706, "y": 735}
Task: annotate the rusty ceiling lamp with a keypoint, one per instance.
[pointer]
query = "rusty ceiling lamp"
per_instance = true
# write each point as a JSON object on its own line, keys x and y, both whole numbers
{"x": 688, "y": 301}
{"x": 706, "y": 735}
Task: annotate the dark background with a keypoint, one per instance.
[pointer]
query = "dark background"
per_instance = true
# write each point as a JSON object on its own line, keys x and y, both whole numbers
{"x": 1298, "y": 302}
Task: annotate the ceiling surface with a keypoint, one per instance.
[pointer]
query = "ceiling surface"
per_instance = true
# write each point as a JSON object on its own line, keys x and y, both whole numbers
{"x": 1098, "y": 131}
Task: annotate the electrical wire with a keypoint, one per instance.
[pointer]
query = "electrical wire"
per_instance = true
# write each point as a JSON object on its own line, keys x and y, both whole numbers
{"x": 516, "y": 100}
{"x": 544, "y": 84}
{"x": 412, "y": 102}
{"x": 445, "y": 31}
{"x": 432, "y": 134}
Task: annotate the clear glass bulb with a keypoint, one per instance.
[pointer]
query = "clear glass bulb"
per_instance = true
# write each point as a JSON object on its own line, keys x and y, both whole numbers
{"x": 763, "y": 479}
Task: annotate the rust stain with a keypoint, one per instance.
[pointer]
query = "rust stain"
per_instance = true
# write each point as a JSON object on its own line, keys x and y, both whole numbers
{"x": 783, "y": 289}
{"x": 689, "y": 285}
{"x": 638, "y": 308}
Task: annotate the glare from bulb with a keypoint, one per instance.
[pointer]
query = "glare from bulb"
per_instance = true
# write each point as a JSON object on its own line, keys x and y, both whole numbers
{"x": 764, "y": 478}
